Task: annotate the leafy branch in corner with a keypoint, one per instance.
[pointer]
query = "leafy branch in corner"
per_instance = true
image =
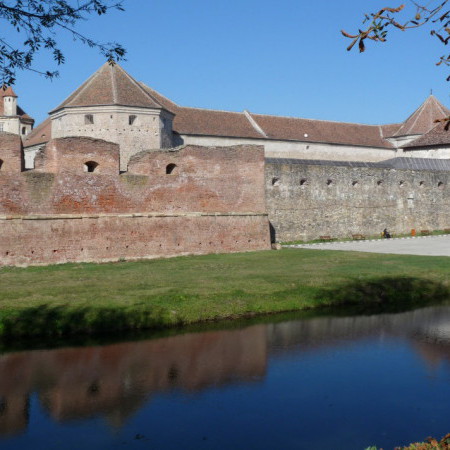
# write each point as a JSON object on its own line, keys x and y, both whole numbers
{"x": 434, "y": 14}
{"x": 37, "y": 23}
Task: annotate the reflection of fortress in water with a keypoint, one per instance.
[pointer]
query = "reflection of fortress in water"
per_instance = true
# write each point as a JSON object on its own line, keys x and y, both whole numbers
{"x": 115, "y": 380}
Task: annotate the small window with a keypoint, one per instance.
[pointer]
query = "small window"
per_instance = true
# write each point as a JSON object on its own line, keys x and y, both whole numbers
{"x": 329, "y": 182}
{"x": 90, "y": 166}
{"x": 355, "y": 183}
{"x": 88, "y": 119}
{"x": 303, "y": 182}
{"x": 401, "y": 183}
{"x": 379, "y": 182}
{"x": 1, "y": 164}
{"x": 441, "y": 185}
{"x": 275, "y": 181}
{"x": 24, "y": 130}
{"x": 421, "y": 183}
{"x": 131, "y": 120}
{"x": 170, "y": 168}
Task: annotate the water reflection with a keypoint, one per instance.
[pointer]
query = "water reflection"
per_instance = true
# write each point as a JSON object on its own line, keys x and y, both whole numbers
{"x": 115, "y": 381}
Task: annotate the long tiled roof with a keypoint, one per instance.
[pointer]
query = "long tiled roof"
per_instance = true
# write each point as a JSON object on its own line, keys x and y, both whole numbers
{"x": 423, "y": 119}
{"x": 110, "y": 85}
{"x": 308, "y": 130}
{"x": 207, "y": 122}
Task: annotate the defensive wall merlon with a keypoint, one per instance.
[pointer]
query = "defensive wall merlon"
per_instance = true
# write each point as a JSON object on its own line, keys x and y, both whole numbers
{"x": 76, "y": 205}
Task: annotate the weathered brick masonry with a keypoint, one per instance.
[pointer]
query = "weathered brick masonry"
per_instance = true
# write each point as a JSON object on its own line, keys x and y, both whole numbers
{"x": 306, "y": 201}
{"x": 187, "y": 200}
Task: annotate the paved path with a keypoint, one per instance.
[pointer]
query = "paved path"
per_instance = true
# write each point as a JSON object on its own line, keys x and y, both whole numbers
{"x": 428, "y": 245}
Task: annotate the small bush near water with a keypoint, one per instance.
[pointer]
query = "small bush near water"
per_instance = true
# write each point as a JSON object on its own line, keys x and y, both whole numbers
{"x": 429, "y": 444}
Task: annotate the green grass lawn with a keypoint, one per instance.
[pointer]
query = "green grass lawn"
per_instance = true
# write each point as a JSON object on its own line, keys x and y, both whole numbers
{"x": 75, "y": 298}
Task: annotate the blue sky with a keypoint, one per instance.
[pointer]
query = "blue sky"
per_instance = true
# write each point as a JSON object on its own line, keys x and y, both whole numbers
{"x": 283, "y": 58}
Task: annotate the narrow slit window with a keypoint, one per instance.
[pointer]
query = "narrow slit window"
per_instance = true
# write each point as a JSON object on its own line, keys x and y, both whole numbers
{"x": 1, "y": 164}
{"x": 170, "y": 169}
{"x": 88, "y": 119}
{"x": 90, "y": 166}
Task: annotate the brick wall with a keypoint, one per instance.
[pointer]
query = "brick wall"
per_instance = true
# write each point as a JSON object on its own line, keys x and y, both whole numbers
{"x": 212, "y": 201}
{"x": 11, "y": 153}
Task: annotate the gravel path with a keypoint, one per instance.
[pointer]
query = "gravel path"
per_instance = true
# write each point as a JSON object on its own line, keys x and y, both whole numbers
{"x": 427, "y": 245}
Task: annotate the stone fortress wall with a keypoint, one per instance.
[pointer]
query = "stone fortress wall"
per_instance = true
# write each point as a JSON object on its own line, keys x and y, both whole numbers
{"x": 309, "y": 199}
{"x": 75, "y": 206}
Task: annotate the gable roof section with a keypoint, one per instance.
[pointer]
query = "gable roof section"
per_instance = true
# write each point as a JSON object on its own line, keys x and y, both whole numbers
{"x": 164, "y": 101}
{"x": 309, "y": 130}
{"x": 40, "y": 135}
{"x": 421, "y": 121}
{"x": 436, "y": 136}
{"x": 207, "y": 122}
{"x": 110, "y": 85}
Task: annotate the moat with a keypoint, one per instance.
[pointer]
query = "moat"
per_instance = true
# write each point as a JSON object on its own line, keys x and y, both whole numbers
{"x": 317, "y": 382}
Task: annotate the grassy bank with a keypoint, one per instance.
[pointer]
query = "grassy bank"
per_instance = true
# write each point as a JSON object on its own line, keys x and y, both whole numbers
{"x": 86, "y": 298}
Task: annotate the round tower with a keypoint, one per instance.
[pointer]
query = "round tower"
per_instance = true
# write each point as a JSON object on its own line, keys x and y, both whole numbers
{"x": 9, "y": 102}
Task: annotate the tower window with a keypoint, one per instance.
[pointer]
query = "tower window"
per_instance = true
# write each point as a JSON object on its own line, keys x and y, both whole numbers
{"x": 88, "y": 119}
{"x": 170, "y": 168}
{"x": 90, "y": 166}
{"x": 24, "y": 130}
{"x": 131, "y": 120}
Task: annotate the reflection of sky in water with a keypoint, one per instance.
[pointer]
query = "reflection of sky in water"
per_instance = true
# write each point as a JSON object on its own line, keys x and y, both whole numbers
{"x": 326, "y": 383}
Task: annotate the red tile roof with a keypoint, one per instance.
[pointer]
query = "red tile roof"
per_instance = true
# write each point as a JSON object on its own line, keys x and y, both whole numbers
{"x": 436, "y": 136}
{"x": 40, "y": 135}
{"x": 110, "y": 85}
{"x": 8, "y": 92}
{"x": 206, "y": 122}
{"x": 309, "y": 130}
{"x": 422, "y": 120}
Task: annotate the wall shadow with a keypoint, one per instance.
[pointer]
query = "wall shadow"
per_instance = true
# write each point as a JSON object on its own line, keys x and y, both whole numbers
{"x": 386, "y": 294}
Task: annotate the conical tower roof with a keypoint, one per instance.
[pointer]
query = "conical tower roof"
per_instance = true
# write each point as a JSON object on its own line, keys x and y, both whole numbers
{"x": 110, "y": 85}
{"x": 8, "y": 92}
{"x": 422, "y": 120}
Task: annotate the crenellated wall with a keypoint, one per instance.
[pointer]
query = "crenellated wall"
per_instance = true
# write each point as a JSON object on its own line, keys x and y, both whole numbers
{"x": 76, "y": 206}
{"x": 306, "y": 201}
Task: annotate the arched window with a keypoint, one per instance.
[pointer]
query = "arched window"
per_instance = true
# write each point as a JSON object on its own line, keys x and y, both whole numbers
{"x": 90, "y": 166}
{"x": 170, "y": 168}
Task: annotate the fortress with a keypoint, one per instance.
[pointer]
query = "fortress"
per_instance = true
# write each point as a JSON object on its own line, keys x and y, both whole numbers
{"x": 118, "y": 171}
